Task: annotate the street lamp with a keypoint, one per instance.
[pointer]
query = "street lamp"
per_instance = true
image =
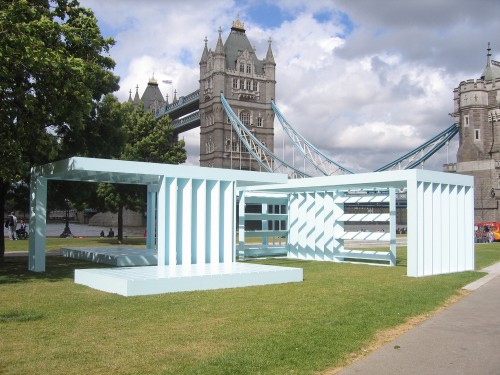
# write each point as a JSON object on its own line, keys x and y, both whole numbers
{"x": 66, "y": 232}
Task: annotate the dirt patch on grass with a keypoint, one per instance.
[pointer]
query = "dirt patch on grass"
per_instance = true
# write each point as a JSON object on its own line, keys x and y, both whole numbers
{"x": 386, "y": 336}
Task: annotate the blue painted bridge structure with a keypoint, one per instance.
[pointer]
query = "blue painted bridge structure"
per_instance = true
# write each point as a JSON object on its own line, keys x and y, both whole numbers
{"x": 186, "y": 116}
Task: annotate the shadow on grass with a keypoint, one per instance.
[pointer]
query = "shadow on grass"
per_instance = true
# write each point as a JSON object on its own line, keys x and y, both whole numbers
{"x": 14, "y": 269}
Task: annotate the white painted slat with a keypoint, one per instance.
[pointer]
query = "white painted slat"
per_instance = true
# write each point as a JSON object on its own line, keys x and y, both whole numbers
{"x": 365, "y": 199}
{"x": 215, "y": 221}
{"x": 227, "y": 221}
{"x": 330, "y": 241}
{"x": 293, "y": 225}
{"x": 461, "y": 230}
{"x": 366, "y": 236}
{"x": 200, "y": 194}
{"x": 186, "y": 219}
{"x": 171, "y": 230}
{"x": 319, "y": 227}
{"x": 437, "y": 218}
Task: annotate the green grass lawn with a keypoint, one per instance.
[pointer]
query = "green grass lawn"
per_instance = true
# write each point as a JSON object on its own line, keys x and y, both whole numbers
{"x": 54, "y": 243}
{"x": 49, "y": 325}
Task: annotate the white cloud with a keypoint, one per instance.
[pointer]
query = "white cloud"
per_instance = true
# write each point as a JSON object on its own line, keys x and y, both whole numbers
{"x": 365, "y": 99}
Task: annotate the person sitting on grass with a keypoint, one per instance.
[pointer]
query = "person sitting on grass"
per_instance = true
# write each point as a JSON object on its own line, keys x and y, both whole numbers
{"x": 111, "y": 234}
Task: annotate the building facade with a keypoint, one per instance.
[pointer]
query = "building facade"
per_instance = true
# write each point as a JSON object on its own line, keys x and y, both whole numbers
{"x": 248, "y": 84}
{"x": 477, "y": 114}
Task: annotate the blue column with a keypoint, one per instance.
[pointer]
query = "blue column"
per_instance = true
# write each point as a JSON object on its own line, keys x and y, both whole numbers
{"x": 151, "y": 217}
{"x": 37, "y": 223}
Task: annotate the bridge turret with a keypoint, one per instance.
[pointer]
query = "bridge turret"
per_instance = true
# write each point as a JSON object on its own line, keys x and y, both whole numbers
{"x": 137, "y": 99}
{"x": 476, "y": 110}
{"x": 270, "y": 72}
{"x": 219, "y": 55}
{"x": 204, "y": 59}
{"x": 248, "y": 84}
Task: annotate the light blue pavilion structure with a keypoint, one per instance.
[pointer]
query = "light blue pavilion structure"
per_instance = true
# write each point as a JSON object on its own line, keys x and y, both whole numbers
{"x": 193, "y": 210}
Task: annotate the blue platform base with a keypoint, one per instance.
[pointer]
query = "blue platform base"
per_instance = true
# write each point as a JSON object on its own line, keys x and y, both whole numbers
{"x": 121, "y": 256}
{"x": 138, "y": 281}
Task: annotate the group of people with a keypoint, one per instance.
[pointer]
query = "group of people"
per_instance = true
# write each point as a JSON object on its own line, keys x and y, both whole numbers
{"x": 482, "y": 236}
{"x": 111, "y": 233}
{"x": 11, "y": 225}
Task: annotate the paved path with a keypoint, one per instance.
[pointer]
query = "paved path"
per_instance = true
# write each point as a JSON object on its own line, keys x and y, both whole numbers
{"x": 463, "y": 339}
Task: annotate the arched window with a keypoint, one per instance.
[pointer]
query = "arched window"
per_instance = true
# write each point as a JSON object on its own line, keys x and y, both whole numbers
{"x": 245, "y": 118}
{"x": 249, "y": 68}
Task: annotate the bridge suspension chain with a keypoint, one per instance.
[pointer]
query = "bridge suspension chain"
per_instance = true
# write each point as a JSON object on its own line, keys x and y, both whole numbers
{"x": 264, "y": 157}
{"x": 318, "y": 159}
{"x": 426, "y": 150}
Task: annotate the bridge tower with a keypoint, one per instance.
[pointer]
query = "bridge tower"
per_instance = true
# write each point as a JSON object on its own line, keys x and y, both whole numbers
{"x": 249, "y": 86}
{"x": 152, "y": 98}
{"x": 477, "y": 112}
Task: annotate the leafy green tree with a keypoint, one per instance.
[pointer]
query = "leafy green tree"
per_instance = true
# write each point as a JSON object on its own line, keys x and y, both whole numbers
{"x": 148, "y": 140}
{"x": 103, "y": 136}
{"x": 54, "y": 66}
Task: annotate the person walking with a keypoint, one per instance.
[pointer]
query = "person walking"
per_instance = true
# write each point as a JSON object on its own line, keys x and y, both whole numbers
{"x": 12, "y": 226}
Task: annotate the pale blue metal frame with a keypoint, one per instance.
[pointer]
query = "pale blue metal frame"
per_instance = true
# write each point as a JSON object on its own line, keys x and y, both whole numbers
{"x": 196, "y": 214}
{"x": 190, "y": 209}
{"x": 440, "y": 214}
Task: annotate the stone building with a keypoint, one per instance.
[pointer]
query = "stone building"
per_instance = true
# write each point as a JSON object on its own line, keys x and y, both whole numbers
{"x": 477, "y": 114}
{"x": 152, "y": 98}
{"x": 249, "y": 86}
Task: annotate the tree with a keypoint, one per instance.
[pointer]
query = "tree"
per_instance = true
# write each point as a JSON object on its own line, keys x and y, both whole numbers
{"x": 102, "y": 136}
{"x": 53, "y": 68}
{"x": 148, "y": 140}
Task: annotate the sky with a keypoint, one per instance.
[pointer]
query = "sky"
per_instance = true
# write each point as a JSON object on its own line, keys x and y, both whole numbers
{"x": 364, "y": 81}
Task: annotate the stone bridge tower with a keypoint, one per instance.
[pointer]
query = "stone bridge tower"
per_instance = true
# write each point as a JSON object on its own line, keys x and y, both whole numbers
{"x": 477, "y": 112}
{"x": 249, "y": 86}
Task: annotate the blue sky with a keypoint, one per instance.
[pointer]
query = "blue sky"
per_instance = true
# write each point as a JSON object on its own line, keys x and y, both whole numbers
{"x": 365, "y": 81}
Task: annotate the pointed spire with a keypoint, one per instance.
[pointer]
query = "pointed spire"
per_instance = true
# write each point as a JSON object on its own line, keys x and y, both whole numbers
{"x": 204, "y": 56}
{"x": 492, "y": 69}
{"x": 130, "y": 96}
{"x": 488, "y": 61}
{"x": 175, "y": 97}
{"x": 152, "y": 81}
{"x": 269, "y": 56}
{"x": 166, "y": 100}
{"x": 238, "y": 25}
{"x": 219, "y": 50}
{"x": 136, "y": 97}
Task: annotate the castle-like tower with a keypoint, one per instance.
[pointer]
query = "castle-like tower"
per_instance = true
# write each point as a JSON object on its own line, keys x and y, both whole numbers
{"x": 477, "y": 114}
{"x": 249, "y": 86}
{"x": 152, "y": 98}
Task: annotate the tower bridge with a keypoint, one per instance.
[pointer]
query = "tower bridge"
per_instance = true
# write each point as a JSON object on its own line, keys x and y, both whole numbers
{"x": 234, "y": 109}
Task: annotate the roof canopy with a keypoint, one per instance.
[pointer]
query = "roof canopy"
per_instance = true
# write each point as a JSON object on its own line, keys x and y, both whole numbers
{"x": 142, "y": 173}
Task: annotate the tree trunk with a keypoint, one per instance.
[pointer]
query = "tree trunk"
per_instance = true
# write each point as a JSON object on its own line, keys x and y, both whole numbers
{"x": 120, "y": 223}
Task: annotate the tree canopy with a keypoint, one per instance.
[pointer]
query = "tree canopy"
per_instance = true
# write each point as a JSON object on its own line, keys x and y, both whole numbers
{"x": 147, "y": 140}
{"x": 54, "y": 68}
